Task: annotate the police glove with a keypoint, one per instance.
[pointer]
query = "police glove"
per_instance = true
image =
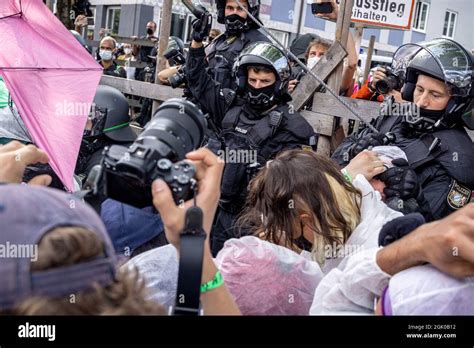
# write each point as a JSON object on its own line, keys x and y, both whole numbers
{"x": 400, "y": 227}
{"x": 202, "y": 27}
{"x": 370, "y": 140}
{"x": 400, "y": 181}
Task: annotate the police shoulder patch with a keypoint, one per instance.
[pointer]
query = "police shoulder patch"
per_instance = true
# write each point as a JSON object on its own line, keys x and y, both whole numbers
{"x": 458, "y": 195}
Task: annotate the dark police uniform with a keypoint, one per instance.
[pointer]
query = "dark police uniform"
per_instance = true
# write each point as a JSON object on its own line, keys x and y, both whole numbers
{"x": 243, "y": 131}
{"x": 224, "y": 50}
{"x": 443, "y": 161}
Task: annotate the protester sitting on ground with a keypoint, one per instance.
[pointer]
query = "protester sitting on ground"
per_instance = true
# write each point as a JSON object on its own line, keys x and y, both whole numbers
{"x": 424, "y": 290}
{"x": 107, "y": 48}
{"x": 263, "y": 278}
{"x": 447, "y": 244}
{"x": 86, "y": 265}
{"x": 322, "y": 212}
{"x": 267, "y": 279}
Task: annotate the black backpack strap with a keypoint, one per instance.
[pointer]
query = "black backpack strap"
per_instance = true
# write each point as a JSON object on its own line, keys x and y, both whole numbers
{"x": 265, "y": 128}
{"x": 231, "y": 118}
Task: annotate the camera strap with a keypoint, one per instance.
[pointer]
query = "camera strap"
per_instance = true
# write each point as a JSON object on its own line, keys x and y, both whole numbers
{"x": 190, "y": 264}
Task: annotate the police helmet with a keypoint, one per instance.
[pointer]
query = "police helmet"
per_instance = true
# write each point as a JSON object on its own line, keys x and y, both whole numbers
{"x": 442, "y": 59}
{"x": 109, "y": 116}
{"x": 267, "y": 55}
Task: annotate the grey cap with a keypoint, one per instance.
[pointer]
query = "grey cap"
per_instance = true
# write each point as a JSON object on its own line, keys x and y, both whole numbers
{"x": 27, "y": 213}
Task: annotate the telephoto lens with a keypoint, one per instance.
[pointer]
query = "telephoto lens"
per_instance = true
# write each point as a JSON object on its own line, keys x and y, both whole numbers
{"x": 177, "y": 127}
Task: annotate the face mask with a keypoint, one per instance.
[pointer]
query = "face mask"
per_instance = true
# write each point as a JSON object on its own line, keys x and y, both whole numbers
{"x": 261, "y": 98}
{"x": 127, "y": 51}
{"x": 312, "y": 62}
{"x": 106, "y": 55}
{"x": 149, "y": 31}
{"x": 426, "y": 119}
{"x": 234, "y": 24}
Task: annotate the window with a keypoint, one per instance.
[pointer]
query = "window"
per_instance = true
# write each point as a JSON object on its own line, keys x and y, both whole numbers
{"x": 421, "y": 16}
{"x": 281, "y": 36}
{"x": 449, "y": 24}
{"x": 90, "y": 24}
{"x": 113, "y": 19}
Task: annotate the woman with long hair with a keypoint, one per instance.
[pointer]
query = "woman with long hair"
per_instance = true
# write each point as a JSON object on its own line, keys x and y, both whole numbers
{"x": 301, "y": 200}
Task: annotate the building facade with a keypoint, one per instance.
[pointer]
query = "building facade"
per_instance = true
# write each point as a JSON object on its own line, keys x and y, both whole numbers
{"x": 288, "y": 18}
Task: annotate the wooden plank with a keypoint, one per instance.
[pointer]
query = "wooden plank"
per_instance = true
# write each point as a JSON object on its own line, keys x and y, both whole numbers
{"x": 334, "y": 82}
{"x": 308, "y": 85}
{"x": 368, "y": 62}
{"x": 142, "y": 89}
{"x": 134, "y": 103}
{"x": 132, "y": 63}
{"x": 165, "y": 30}
{"x": 325, "y": 104}
{"x": 136, "y": 129}
{"x": 322, "y": 124}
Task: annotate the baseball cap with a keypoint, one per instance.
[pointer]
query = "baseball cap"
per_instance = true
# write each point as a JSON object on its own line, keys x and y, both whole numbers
{"x": 27, "y": 213}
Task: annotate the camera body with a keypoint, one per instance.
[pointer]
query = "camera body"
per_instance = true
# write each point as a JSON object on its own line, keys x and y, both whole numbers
{"x": 391, "y": 82}
{"x": 129, "y": 173}
{"x": 175, "y": 57}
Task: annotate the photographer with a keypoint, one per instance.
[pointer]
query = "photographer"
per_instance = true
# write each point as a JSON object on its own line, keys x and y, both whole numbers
{"x": 86, "y": 264}
{"x": 256, "y": 119}
{"x": 439, "y": 173}
{"x": 240, "y": 31}
{"x": 369, "y": 90}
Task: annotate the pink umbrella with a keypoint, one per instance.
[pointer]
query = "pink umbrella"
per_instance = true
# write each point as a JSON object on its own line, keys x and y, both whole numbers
{"x": 51, "y": 77}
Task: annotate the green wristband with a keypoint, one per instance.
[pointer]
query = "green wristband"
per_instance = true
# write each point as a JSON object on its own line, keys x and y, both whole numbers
{"x": 213, "y": 284}
{"x": 346, "y": 175}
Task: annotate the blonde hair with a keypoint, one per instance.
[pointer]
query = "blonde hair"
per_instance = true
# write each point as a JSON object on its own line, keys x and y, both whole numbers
{"x": 299, "y": 182}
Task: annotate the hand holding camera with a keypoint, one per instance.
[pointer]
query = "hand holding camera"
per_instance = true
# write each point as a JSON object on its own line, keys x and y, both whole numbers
{"x": 127, "y": 173}
{"x": 15, "y": 157}
{"x": 385, "y": 80}
{"x": 208, "y": 174}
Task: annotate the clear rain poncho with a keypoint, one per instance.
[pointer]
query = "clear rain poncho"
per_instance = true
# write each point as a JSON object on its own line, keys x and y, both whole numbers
{"x": 268, "y": 279}
{"x": 424, "y": 290}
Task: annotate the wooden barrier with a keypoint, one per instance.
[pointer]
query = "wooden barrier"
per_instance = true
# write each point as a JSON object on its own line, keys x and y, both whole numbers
{"x": 142, "y": 89}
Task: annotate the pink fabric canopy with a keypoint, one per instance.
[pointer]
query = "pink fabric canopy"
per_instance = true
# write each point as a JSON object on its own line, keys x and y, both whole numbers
{"x": 51, "y": 77}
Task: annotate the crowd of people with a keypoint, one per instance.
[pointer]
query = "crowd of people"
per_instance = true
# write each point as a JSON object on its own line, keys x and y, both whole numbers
{"x": 384, "y": 227}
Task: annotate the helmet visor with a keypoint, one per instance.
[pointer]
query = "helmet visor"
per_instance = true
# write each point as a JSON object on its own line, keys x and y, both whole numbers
{"x": 270, "y": 53}
{"x": 452, "y": 59}
{"x": 95, "y": 122}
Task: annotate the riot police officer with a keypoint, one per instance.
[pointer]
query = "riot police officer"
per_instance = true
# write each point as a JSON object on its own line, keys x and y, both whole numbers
{"x": 439, "y": 173}
{"x": 240, "y": 31}
{"x": 108, "y": 124}
{"x": 256, "y": 122}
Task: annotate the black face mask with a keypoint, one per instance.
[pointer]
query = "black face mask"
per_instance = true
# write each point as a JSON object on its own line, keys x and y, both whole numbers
{"x": 149, "y": 31}
{"x": 234, "y": 24}
{"x": 426, "y": 119}
{"x": 260, "y": 98}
